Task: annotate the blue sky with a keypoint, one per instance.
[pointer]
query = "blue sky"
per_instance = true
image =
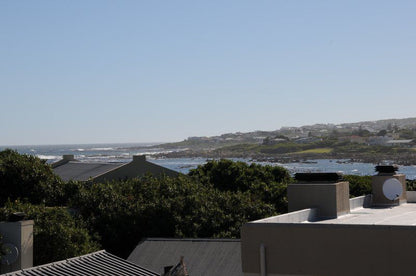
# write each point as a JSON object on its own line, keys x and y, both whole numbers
{"x": 144, "y": 71}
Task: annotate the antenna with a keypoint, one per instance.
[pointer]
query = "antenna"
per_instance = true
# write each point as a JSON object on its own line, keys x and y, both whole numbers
{"x": 392, "y": 188}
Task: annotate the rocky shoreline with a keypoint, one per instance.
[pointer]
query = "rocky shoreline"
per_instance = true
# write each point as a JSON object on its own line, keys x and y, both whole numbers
{"x": 404, "y": 158}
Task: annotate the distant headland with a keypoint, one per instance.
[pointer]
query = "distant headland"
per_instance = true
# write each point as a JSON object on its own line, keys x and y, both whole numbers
{"x": 390, "y": 141}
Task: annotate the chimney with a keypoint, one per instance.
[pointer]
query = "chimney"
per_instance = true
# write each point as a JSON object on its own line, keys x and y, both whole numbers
{"x": 18, "y": 239}
{"x": 65, "y": 159}
{"x": 387, "y": 182}
{"x": 68, "y": 157}
{"x": 139, "y": 158}
{"x": 324, "y": 191}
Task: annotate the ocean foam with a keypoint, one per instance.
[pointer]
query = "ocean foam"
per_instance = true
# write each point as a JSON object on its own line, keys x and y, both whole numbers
{"x": 154, "y": 152}
{"x": 102, "y": 149}
{"x": 48, "y": 157}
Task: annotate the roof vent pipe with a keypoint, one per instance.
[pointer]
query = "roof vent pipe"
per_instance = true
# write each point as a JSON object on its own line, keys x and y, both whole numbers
{"x": 387, "y": 182}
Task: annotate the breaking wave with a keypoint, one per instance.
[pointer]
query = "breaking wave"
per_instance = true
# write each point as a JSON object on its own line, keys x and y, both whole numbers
{"x": 101, "y": 149}
{"x": 48, "y": 157}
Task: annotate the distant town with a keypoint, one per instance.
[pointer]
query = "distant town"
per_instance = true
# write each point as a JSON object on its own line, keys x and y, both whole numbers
{"x": 391, "y": 140}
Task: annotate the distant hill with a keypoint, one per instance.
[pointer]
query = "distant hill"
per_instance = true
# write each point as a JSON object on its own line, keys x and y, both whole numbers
{"x": 257, "y": 137}
{"x": 407, "y": 123}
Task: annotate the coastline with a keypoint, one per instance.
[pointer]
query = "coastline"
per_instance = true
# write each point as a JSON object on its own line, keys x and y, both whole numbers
{"x": 404, "y": 159}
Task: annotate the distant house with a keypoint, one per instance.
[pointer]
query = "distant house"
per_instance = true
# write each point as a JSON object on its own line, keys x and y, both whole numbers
{"x": 378, "y": 140}
{"x": 202, "y": 257}
{"x": 400, "y": 143}
{"x": 70, "y": 169}
{"x": 307, "y": 140}
{"x": 273, "y": 141}
{"x": 358, "y": 139}
{"x": 353, "y": 139}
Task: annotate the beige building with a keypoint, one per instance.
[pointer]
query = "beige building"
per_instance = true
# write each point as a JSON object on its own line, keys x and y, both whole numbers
{"x": 327, "y": 233}
{"x": 71, "y": 169}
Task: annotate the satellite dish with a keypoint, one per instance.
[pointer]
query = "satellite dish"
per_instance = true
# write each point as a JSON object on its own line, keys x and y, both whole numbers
{"x": 11, "y": 255}
{"x": 392, "y": 188}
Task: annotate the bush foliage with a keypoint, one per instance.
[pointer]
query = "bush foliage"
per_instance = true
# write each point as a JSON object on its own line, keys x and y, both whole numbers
{"x": 265, "y": 183}
{"x": 123, "y": 213}
{"x": 214, "y": 200}
{"x": 28, "y": 177}
{"x": 359, "y": 185}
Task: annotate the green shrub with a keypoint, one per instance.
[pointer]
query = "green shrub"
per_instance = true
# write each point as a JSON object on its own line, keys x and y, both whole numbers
{"x": 28, "y": 177}
{"x": 124, "y": 212}
{"x": 266, "y": 183}
{"x": 359, "y": 185}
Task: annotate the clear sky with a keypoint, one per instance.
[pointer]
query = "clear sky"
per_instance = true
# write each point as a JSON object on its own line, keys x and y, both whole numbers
{"x": 143, "y": 71}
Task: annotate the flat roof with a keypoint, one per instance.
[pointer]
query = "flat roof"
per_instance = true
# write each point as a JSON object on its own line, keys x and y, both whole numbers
{"x": 404, "y": 214}
{"x": 395, "y": 215}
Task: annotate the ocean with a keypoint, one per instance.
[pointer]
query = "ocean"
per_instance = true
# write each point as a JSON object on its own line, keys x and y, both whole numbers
{"x": 123, "y": 153}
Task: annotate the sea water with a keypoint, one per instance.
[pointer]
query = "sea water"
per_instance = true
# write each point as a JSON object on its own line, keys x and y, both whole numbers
{"x": 123, "y": 153}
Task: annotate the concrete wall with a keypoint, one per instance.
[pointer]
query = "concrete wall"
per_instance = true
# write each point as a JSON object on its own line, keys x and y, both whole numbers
{"x": 137, "y": 168}
{"x": 324, "y": 249}
{"x": 331, "y": 199}
{"x": 361, "y": 201}
{"x": 20, "y": 234}
{"x": 411, "y": 196}
{"x": 293, "y": 217}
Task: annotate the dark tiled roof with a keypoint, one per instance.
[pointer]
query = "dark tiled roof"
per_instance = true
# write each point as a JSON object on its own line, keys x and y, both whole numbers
{"x": 97, "y": 263}
{"x": 83, "y": 171}
{"x": 201, "y": 256}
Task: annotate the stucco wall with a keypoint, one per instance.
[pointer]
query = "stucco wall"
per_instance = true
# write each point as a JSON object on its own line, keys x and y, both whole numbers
{"x": 331, "y": 199}
{"x": 328, "y": 249}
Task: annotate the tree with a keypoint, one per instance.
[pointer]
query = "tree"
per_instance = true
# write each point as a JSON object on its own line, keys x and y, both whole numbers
{"x": 359, "y": 185}
{"x": 382, "y": 132}
{"x": 267, "y": 183}
{"x": 334, "y": 134}
{"x": 28, "y": 177}
{"x": 361, "y": 132}
{"x": 124, "y": 212}
{"x": 266, "y": 141}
